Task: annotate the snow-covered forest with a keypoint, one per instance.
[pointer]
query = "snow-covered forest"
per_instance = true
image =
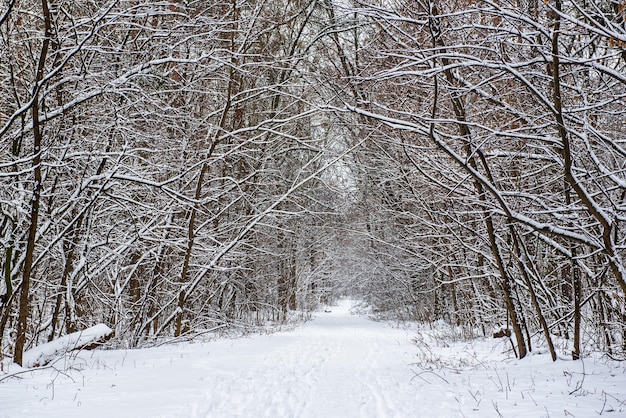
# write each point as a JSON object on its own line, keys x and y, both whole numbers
{"x": 174, "y": 168}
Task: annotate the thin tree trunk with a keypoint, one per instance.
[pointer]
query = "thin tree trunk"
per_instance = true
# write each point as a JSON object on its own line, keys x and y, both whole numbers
{"x": 577, "y": 286}
{"x": 22, "y": 322}
{"x": 531, "y": 289}
{"x": 69, "y": 260}
{"x": 455, "y": 302}
{"x": 603, "y": 323}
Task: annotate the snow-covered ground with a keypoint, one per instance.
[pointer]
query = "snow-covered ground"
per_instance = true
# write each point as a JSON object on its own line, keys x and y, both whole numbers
{"x": 338, "y": 365}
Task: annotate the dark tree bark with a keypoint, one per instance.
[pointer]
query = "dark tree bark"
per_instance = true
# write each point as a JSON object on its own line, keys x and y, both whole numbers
{"x": 22, "y": 324}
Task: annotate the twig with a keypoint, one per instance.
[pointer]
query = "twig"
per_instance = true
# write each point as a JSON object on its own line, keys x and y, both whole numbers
{"x": 579, "y": 384}
{"x": 495, "y": 406}
{"x": 32, "y": 370}
{"x": 428, "y": 371}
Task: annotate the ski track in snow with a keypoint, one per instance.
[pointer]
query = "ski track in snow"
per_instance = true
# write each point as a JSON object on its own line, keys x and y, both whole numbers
{"x": 333, "y": 366}
{"x": 338, "y": 365}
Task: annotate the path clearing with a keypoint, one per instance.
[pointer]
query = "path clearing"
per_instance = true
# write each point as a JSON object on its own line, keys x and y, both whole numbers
{"x": 339, "y": 365}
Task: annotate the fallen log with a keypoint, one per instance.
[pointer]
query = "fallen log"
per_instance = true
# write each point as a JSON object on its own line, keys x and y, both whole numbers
{"x": 85, "y": 339}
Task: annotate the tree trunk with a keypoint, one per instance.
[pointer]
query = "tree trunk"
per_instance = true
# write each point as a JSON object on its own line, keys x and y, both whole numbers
{"x": 24, "y": 310}
{"x": 520, "y": 256}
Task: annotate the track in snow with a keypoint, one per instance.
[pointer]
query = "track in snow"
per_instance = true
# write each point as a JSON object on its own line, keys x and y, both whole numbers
{"x": 339, "y": 365}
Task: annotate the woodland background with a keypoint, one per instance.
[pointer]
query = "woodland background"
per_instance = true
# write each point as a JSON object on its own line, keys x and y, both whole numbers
{"x": 171, "y": 168}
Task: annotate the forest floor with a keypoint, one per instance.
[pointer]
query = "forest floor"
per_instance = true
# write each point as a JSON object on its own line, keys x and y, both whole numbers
{"x": 338, "y": 365}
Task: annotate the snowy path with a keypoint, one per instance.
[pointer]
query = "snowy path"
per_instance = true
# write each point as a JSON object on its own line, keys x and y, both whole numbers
{"x": 338, "y": 365}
